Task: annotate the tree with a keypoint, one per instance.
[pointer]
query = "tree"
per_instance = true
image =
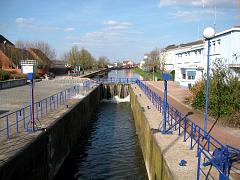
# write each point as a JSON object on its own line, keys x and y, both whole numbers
{"x": 86, "y": 59}
{"x": 82, "y": 58}
{"x": 224, "y": 94}
{"x": 152, "y": 62}
{"x": 102, "y": 62}
{"x": 41, "y": 45}
{"x": 73, "y": 57}
{"x": 162, "y": 59}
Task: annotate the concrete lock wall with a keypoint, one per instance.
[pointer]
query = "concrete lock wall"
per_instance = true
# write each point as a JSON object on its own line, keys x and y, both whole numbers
{"x": 12, "y": 83}
{"x": 42, "y": 157}
{"x": 155, "y": 163}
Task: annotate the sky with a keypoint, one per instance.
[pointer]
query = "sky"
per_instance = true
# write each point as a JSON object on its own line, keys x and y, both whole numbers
{"x": 117, "y": 29}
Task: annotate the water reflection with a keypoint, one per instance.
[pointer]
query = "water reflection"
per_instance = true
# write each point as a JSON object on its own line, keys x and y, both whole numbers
{"x": 124, "y": 73}
{"x": 110, "y": 149}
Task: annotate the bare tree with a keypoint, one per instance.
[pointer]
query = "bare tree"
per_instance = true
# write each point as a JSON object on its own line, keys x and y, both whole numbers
{"x": 41, "y": 45}
{"x": 162, "y": 59}
{"x": 152, "y": 62}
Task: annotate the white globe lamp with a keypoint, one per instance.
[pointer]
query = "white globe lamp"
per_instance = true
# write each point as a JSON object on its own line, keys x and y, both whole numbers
{"x": 208, "y": 33}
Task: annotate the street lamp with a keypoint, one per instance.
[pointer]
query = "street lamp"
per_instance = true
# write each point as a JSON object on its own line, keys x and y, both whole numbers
{"x": 208, "y": 33}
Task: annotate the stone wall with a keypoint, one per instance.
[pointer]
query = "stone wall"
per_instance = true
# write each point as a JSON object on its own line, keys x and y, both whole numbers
{"x": 154, "y": 161}
{"x": 12, "y": 83}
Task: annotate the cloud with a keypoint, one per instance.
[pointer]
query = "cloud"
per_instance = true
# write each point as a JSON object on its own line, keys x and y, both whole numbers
{"x": 30, "y": 23}
{"x": 194, "y": 15}
{"x": 69, "y": 29}
{"x": 185, "y": 15}
{"x": 111, "y": 32}
{"x": 94, "y": 37}
{"x": 200, "y": 3}
{"x": 116, "y": 25}
{"x": 49, "y": 29}
{"x": 24, "y": 22}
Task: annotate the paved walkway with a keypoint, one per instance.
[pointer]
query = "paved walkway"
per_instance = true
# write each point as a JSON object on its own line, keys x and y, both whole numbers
{"x": 176, "y": 97}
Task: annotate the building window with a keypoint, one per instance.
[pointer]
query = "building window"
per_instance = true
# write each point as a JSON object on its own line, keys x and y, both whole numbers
{"x": 218, "y": 43}
{"x": 191, "y": 75}
{"x": 183, "y": 72}
{"x": 214, "y": 47}
{"x": 183, "y": 76}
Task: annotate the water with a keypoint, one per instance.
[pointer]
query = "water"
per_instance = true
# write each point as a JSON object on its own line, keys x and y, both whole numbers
{"x": 110, "y": 149}
{"x": 125, "y": 73}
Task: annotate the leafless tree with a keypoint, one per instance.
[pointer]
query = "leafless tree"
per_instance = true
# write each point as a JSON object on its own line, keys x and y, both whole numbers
{"x": 41, "y": 45}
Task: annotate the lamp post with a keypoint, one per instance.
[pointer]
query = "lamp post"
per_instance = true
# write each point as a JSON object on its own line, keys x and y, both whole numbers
{"x": 208, "y": 33}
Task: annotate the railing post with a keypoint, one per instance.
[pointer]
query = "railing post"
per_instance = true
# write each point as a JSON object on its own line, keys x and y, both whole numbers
{"x": 179, "y": 124}
{"x": 221, "y": 175}
{"x": 31, "y": 116}
{"x": 17, "y": 121}
{"x": 24, "y": 120}
{"x": 54, "y": 100}
{"x": 57, "y": 100}
{"x": 7, "y": 127}
{"x": 65, "y": 92}
{"x": 41, "y": 108}
{"x": 176, "y": 117}
{"x": 37, "y": 109}
{"x": 50, "y": 103}
{"x": 185, "y": 129}
{"x": 209, "y": 142}
{"x": 199, "y": 163}
{"x": 46, "y": 105}
{"x": 191, "y": 135}
{"x": 198, "y": 140}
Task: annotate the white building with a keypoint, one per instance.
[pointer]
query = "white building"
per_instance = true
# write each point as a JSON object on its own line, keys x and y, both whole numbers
{"x": 168, "y": 55}
{"x": 226, "y": 45}
{"x": 142, "y": 65}
{"x": 190, "y": 60}
{"x": 189, "y": 63}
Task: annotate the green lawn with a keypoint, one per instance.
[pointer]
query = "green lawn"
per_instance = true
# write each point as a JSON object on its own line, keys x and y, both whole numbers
{"x": 148, "y": 75}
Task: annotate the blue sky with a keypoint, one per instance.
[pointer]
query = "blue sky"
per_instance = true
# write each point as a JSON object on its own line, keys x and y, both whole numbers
{"x": 118, "y": 29}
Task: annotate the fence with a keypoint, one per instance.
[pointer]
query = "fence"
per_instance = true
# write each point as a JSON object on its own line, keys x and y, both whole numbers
{"x": 21, "y": 120}
{"x": 217, "y": 155}
{"x": 115, "y": 80}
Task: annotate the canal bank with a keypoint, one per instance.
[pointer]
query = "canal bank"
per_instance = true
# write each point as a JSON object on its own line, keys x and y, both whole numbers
{"x": 39, "y": 155}
{"x": 162, "y": 153}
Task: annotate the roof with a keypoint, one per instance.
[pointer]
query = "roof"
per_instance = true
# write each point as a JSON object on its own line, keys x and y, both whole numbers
{"x": 189, "y": 44}
{"x": 172, "y": 46}
{"x": 127, "y": 61}
{"x": 40, "y": 56}
{"x": 198, "y": 42}
{"x": 3, "y": 39}
{"x": 234, "y": 29}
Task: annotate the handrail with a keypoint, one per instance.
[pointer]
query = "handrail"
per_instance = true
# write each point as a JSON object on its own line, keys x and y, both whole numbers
{"x": 115, "y": 80}
{"x": 20, "y": 120}
{"x": 176, "y": 121}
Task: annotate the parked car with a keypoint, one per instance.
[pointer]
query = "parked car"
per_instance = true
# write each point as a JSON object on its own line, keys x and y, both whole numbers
{"x": 50, "y": 75}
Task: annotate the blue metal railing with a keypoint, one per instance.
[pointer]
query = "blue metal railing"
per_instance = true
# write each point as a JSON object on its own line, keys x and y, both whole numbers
{"x": 21, "y": 120}
{"x": 115, "y": 80}
{"x": 206, "y": 144}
